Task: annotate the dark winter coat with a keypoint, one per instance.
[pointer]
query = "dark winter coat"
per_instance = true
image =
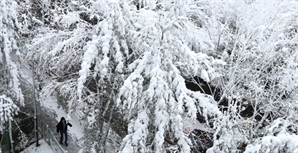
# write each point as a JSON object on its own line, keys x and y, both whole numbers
{"x": 60, "y": 126}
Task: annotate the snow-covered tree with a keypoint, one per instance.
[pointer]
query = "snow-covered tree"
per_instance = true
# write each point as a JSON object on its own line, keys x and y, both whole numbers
{"x": 104, "y": 63}
{"x": 56, "y": 49}
{"x": 9, "y": 51}
{"x": 80, "y": 64}
{"x": 93, "y": 49}
{"x": 8, "y": 110}
{"x": 259, "y": 82}
{"x": 154, "y": 96}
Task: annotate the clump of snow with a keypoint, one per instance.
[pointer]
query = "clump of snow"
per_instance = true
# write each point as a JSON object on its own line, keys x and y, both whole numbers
{"x": 204, "y": 75}
{"x": 90, "y": 54}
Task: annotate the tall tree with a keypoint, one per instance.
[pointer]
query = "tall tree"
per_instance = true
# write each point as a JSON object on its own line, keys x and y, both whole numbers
{"x": 154, "y": 97}
{"x": 9, "y": 51}
{"x": 104, "y": 65}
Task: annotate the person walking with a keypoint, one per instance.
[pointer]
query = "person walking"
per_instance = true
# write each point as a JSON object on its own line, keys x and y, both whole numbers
{"x": 62, "y": 127}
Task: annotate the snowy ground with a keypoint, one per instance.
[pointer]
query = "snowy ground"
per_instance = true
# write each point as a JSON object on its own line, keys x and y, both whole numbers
{"x": 43, "y": 148}
{"x": 75, "y": 133}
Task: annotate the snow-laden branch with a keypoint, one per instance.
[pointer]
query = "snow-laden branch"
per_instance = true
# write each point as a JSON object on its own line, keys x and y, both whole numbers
{"x": 7, "y": 110}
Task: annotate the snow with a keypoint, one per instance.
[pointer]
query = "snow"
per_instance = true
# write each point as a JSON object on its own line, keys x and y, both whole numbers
{"x": 7, "y": 110}
{"x": 204, "y": 75}
{"x": 86, "y": 64}
{"x": 162, "y": 53}
{"x": 76, "y": 130}
{"x": 43, "y": 148}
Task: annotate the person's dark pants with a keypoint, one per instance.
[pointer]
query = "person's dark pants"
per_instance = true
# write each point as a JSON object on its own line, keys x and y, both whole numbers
{"x": 61, "y": 136}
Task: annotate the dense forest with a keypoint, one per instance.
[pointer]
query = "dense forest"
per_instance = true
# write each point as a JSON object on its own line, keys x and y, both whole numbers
{"x": 156, "y": 71}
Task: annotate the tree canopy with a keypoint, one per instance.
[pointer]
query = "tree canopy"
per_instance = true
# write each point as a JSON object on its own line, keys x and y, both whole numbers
{"x": 125, "y": 65}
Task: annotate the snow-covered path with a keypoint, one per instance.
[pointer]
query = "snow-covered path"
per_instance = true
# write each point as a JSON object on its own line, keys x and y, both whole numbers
{"x": 43, "y": 148}
{"x": 75, "y": 133}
